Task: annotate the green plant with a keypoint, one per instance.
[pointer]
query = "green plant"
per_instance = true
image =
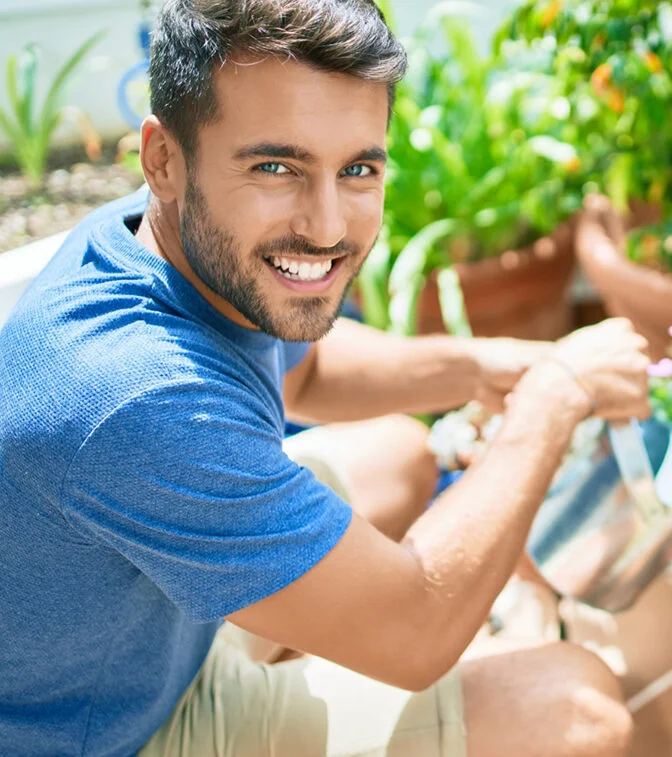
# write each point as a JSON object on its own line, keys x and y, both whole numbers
{"x": 612, "y": 63}
{"x": 661, "y": 389}
{"x": 466, "y": 179}
{"x": 30, "y": 131}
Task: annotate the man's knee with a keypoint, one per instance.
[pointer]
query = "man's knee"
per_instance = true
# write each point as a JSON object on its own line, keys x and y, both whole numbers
{"x": 555, "y": 700}
{"x": 598, "y": 723}
{"x": 419, "y": 462}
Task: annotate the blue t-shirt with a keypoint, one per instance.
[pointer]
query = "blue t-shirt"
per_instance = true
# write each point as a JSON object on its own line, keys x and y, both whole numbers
{"x": 144, "y": 493}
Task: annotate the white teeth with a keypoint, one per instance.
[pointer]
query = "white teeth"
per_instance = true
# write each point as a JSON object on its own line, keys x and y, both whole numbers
{"x": 295, "y": 271}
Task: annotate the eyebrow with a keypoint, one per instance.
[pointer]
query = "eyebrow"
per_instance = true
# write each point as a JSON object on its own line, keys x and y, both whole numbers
{"x": 293, "y": 152}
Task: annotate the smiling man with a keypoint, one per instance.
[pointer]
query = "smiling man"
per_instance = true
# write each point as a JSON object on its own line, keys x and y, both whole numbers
{"x": 145, "y": 492}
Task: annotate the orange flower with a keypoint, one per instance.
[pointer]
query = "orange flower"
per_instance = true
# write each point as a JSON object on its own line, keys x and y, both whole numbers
{"x": 653, "y": 63}
{"x": 573, "y": 165}
{"x": 550, "y": 13}
{"x": 615, "y": 100}
{"x": 600, "y": 78}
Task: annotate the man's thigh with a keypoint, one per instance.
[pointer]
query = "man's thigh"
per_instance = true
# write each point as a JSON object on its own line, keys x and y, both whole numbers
{"x": 307, "y": 708}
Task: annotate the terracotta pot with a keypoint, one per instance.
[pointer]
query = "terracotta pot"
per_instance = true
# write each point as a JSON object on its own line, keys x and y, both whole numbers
{"x": 639, "y": 293}
{"x": 521, "y": 294}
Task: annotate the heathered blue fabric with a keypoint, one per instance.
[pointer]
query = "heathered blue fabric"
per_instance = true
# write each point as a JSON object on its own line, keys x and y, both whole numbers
{"x": 144, "y": 493}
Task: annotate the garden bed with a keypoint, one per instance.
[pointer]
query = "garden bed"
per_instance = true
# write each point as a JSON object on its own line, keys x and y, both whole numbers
{"x": 69, "y": 192}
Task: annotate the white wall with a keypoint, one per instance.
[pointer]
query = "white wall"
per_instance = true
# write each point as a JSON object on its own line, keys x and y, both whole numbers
{"x": 60, "y": 26}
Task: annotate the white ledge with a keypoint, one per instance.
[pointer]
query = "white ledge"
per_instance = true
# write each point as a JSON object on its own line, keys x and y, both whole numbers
{"x": 20, "y": 266}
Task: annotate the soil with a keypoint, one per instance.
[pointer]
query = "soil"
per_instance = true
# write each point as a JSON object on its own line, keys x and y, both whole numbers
{"x": 69, "y": 192}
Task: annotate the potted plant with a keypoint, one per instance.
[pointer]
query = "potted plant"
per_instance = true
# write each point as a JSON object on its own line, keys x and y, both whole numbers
{"x": 474, "y": 198}
{"x": 613, "y": 62}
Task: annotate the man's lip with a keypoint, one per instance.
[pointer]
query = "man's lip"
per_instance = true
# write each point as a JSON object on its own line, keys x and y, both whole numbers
{"x": 306, "y": 258}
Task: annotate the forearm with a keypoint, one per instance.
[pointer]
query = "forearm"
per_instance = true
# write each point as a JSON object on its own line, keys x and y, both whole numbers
{"x": 468, "y": 543}
{"x": 361, "y": 373}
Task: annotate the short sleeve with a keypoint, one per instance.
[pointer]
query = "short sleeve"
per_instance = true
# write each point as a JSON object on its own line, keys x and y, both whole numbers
{"x": 191, "y": 485}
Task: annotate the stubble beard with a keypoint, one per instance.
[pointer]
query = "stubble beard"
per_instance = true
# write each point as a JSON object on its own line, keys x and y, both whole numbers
{"x": 215, "y": 257}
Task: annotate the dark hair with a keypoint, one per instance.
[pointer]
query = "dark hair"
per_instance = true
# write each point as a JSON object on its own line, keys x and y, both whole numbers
{"x": 190, "y": 36}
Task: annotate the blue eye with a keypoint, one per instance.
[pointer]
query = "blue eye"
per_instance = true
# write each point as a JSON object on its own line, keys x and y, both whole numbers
{"x": 273, "y": 168}
{"x": 358, "y": 170}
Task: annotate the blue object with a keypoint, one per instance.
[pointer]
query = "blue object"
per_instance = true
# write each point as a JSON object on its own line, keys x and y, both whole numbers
{"x": 592, "y": 479}
{"x": 133, "y": 74}
{"x": 144, "y": 493}
{"x": 446, "y": 479}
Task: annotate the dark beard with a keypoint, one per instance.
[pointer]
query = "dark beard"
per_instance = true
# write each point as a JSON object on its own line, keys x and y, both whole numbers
{"x": 215, "y": 258}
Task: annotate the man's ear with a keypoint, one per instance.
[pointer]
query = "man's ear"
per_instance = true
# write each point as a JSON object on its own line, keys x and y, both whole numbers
{"x": 162, "y": 160}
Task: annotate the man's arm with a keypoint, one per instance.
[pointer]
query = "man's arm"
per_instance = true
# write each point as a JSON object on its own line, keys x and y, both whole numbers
{"x": 405, "y": 613}
{"x": 357, "y": 372}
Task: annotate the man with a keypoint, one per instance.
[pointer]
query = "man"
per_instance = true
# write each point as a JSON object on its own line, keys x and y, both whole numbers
{"x": 145, "y": 493}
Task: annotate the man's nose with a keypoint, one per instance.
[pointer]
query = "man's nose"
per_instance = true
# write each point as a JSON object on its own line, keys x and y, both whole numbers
{"x": 320, "y": 219}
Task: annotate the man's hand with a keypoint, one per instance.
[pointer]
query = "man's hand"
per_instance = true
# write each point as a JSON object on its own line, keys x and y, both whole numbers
{"x": 501, "y": 363}
{"x": 609, "y": 362}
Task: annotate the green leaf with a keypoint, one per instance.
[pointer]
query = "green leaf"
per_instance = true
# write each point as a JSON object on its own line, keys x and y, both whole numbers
{"x": 51, "y": 100}
{"x": 373, "y": 284}
{"x": 414, "y": 258}
{"x": 451, "y": 299}
{"x": 28, "y": 68}
{"x": 403, "y": 306}
{"x": 619, "y": 181}
{"x": 11, "y": 72}
{"x": 10, "y": 129}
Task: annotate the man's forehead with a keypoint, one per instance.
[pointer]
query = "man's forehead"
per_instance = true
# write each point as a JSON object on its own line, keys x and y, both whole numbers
{"x": 285, "y": 89}
{"x": 287, "y": 109}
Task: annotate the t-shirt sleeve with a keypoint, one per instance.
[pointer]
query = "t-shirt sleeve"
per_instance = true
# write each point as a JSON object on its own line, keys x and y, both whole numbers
{"x": 193, "y": 488}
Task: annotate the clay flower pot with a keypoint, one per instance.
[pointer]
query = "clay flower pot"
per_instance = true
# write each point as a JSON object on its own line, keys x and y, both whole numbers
{"x": 639, "y": 293}
{"x": 521, "y": 293}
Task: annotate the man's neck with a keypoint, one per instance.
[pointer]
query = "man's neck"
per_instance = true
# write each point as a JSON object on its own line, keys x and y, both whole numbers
{"x": 159, "y": 231}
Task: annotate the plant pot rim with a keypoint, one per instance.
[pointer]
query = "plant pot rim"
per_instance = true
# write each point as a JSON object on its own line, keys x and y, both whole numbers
{"x": 548, "y": 250}
{"x": 594, "y": 246}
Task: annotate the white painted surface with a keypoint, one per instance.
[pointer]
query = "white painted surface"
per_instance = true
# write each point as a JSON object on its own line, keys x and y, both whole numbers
{"x": 20, "y": 266}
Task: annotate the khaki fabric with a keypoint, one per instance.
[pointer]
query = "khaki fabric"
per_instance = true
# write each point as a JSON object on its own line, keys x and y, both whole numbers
{"x": 306, "y": 707}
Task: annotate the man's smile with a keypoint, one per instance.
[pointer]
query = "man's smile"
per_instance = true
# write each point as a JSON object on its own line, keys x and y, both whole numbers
{"x": 300, "y": 274}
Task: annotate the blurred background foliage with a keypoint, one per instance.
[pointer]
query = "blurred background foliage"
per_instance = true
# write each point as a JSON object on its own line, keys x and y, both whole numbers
{"x": 491, "y": 151}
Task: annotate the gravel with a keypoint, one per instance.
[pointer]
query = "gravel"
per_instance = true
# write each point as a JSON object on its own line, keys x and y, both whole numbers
{"x": 67, "y": 196}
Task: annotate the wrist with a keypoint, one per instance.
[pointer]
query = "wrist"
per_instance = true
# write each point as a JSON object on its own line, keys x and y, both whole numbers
{"x": 552, "y": 385}
{"x": 463, "y": 365}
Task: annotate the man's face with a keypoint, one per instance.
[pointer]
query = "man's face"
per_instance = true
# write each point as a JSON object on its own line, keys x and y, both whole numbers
{"x": 285, "y": 197}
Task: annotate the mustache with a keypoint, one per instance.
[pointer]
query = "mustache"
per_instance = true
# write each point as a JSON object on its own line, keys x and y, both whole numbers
{"x": 291, "y": 244}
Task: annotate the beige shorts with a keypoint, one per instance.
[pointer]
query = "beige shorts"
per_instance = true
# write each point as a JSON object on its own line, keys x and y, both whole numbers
{"x": 307, "y": 707}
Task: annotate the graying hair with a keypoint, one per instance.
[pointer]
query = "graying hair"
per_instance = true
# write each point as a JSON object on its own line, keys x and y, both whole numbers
{"x": 191, "y": 36}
